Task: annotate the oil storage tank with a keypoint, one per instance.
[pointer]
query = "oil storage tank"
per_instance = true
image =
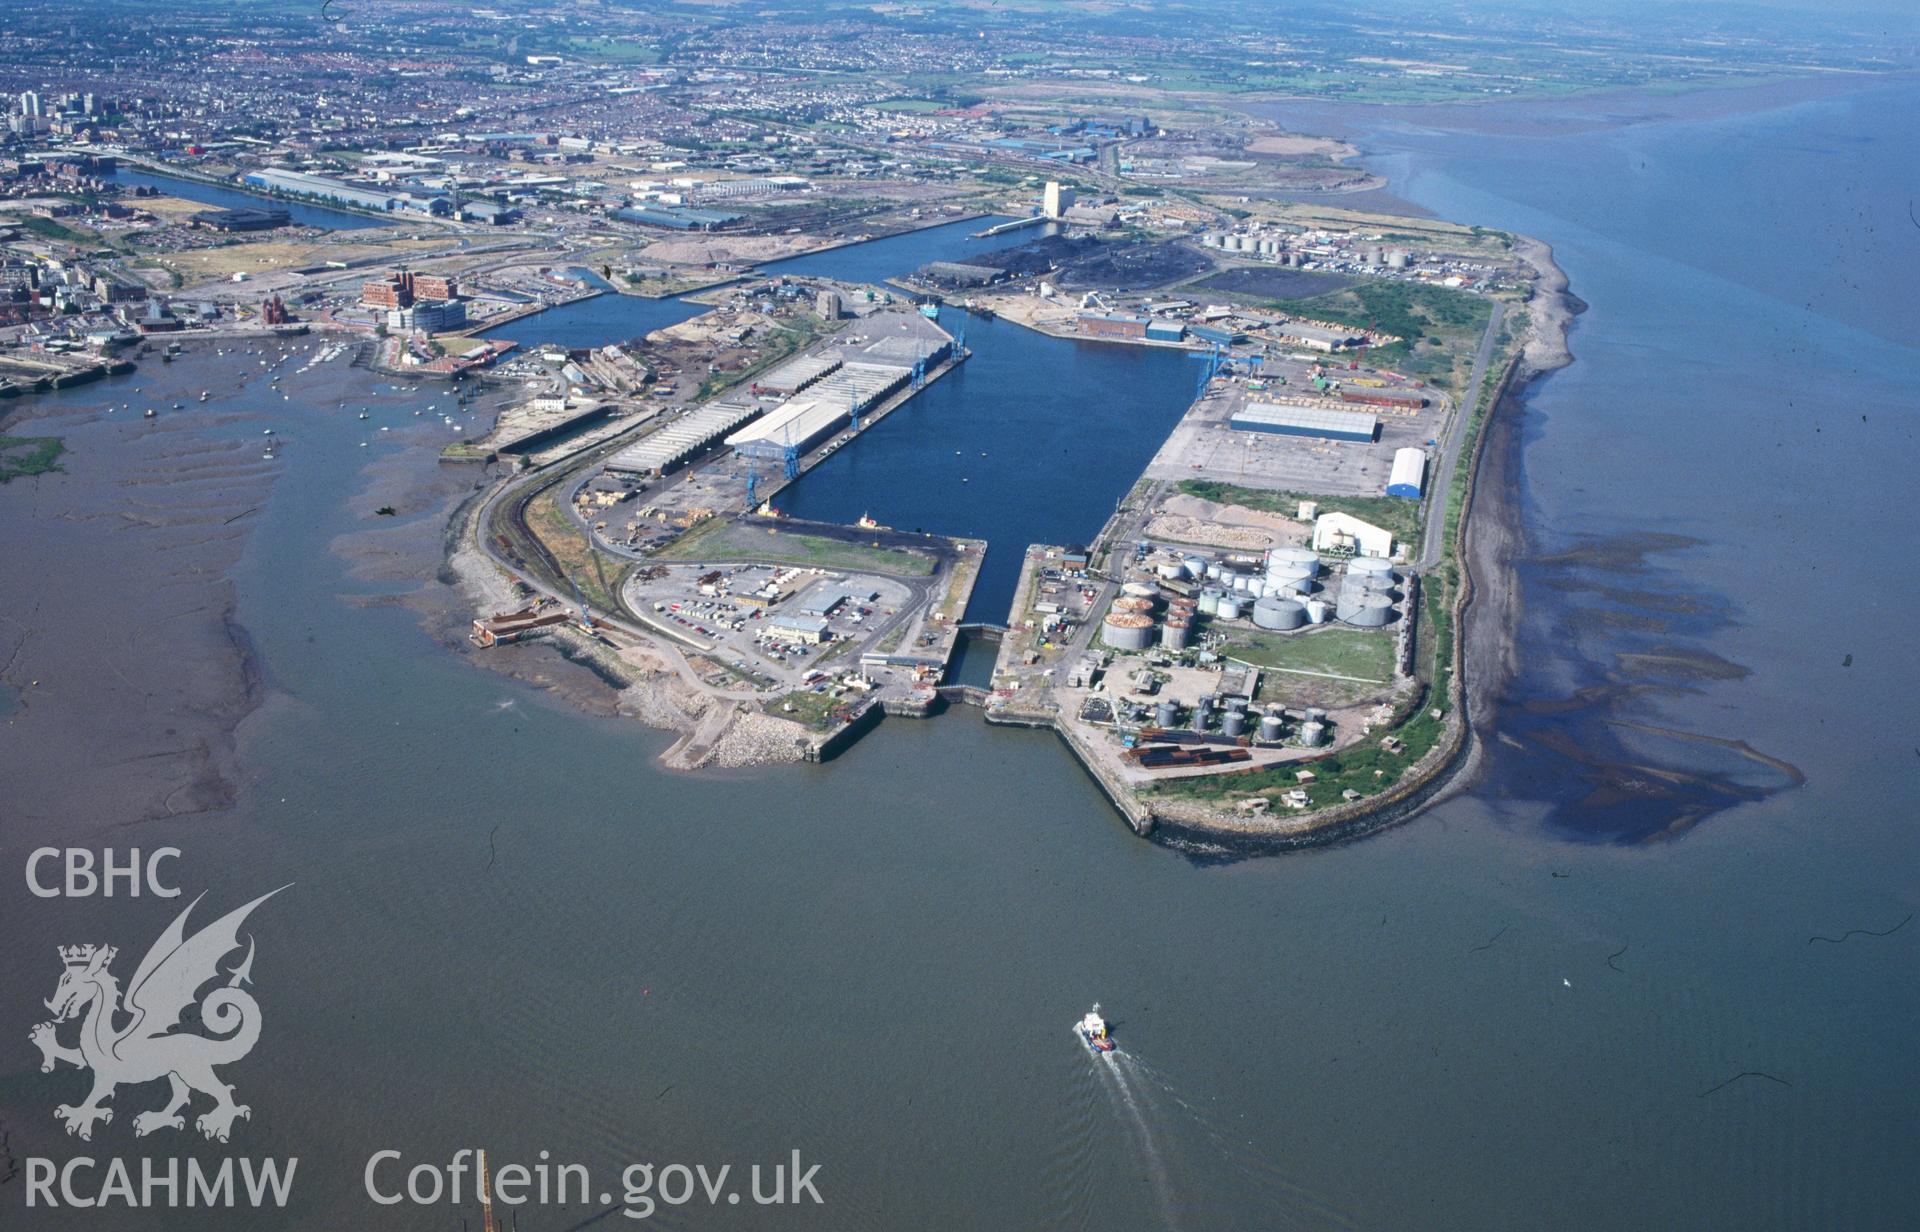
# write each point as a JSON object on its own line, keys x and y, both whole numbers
{"x": 1176, "y": 633}
{"x": 1371, "y": 612}
{"x": 1127, "y": 630}
{"x": 1370, "y": 566}
{"x": 1230, "y": 607}
{"x": 1287, "y": 562}
{"x": 1277, "y": 613}
{"x": 1234, "y": 724}
{"x": 1269, "y": 727}
{"x": 1209, "y": 602}
{"x": 1167, "y": 714}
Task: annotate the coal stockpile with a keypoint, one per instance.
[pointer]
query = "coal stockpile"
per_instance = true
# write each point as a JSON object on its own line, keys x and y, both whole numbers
{"x": 1088, "y": 261}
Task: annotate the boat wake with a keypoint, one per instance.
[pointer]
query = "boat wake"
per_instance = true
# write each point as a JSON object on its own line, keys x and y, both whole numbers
{"x": 1190, "y": 1155}
{"x": 1116, "y": 1070}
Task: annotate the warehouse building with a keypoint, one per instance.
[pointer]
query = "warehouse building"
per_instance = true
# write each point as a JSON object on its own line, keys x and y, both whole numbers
{"x": 1113, "y": 325}
{"x": 319, "y": 187}
{"x": 796, "y": 374}
{"x": 1409, "y": 472}
{"x": 247, "y": 219}
{"x": 1159, "y": 330}
{"x": 678, "y": 441}
{"x": 1312, "y": 421}
{"x": 675, "y": 218}
{"x": 801, "y": 423}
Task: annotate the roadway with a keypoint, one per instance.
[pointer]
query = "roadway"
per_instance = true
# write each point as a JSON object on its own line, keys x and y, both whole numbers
{"x": 1434, "y": 537}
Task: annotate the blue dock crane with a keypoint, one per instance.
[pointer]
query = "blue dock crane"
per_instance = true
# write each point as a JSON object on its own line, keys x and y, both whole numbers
{"x": 791, "y": 455}
{"x": 1214, "y": 362}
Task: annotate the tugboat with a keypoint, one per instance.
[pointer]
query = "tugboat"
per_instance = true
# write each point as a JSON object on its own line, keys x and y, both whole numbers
{"x": 1093, "y": 1031}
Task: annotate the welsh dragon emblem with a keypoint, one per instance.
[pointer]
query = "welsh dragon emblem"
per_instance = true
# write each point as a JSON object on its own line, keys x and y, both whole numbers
{"x": 142, "y": 1039}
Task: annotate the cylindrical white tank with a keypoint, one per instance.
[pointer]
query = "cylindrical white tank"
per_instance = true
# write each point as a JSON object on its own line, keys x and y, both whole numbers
{"x": 1369, "y": 566}
{"x": 1270, "y": 727}
{"x": 1313, "y": 733}
{"x": 1317, "y": 611}
{"x": 1196, "y": 567}
{"x": 1289, "y": 585}
{"x": 1230, "y": 607}
{"x": 1140, "y": 590}
{"x": 1209, "y": 601}
{"x": 1171, "y": 573}
{"x": 1371, "y": 612}
{"x": 1273, "y": 613}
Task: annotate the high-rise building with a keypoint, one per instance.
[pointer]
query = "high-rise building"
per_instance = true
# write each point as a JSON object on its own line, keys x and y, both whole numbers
{"x": 1057, "y": 201}
{"x": 29, "y": 103}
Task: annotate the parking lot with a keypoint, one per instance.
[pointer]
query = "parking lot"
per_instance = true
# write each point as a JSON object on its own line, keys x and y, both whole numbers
{"x": 1204, "y": 446}
{"x": 772, "y": 622}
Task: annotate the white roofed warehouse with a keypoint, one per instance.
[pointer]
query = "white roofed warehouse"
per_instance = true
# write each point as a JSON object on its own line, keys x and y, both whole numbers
{"x": 1306, "y": 421}
{"x": 1409, "y": 473}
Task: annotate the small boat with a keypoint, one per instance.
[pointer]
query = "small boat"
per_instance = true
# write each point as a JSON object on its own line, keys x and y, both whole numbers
{"x": 1093, "y": 1031}
{"x": 203, "y": 395}
{"x": 363, "y": 414}
{"x": 150, "y": 413}
{"x": 930, "y": 310}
